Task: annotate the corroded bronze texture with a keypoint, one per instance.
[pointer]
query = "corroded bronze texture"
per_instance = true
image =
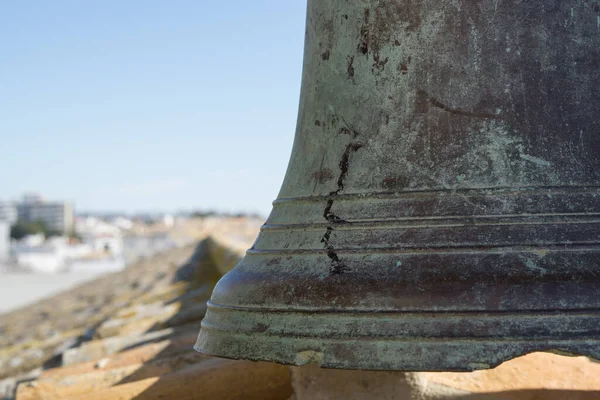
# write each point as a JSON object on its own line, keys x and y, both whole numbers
{"x": 441, "y": 206}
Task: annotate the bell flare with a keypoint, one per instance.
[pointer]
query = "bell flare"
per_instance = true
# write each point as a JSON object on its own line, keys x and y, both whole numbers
{"x": 410, "y": 310}
{"x": 440, "y": 209}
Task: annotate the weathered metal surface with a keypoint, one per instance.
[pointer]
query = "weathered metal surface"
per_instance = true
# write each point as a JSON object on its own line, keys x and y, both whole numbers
{"x": 441, "y": 206}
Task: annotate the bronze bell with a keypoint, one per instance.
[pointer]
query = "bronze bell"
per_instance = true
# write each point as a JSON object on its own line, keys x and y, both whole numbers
{"x": 441, "y": 208}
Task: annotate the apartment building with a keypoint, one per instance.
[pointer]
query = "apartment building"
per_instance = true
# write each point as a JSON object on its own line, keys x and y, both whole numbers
{"x": 57, "y": 215}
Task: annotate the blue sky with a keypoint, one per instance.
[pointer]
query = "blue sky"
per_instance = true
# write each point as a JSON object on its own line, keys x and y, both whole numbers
{"x": 149, "y": 105}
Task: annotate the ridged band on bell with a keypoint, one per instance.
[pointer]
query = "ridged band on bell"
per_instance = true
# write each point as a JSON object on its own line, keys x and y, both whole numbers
{"x": 441, "y": 206}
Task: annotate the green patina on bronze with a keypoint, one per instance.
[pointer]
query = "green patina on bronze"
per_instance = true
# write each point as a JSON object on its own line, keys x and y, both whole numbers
{"x": 440, "y": 209}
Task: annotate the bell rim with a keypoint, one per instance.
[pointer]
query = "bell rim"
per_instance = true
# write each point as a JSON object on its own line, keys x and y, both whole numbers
{"x": 238, "y": 333}
{"x": 379, "y": 355}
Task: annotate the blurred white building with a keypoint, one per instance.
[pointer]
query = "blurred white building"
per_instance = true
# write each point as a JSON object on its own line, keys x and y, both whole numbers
{"x": 123, "y": 223}
{"x": 169, "y": 220}
{"x": 8, "y": 216}
{"x": 34, "y": 240}
{"x": 54, "y": 255}
{"x": 8, "y": 212}
{"x": 101, "y": 236}
{"x": 4, "y": 240}
{"x": 100, "y": 250}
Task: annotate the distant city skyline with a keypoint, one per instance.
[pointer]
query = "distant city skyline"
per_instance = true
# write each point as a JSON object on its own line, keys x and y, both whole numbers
{"x": 149, "y": 106}
{"x": 6, "y": 203}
